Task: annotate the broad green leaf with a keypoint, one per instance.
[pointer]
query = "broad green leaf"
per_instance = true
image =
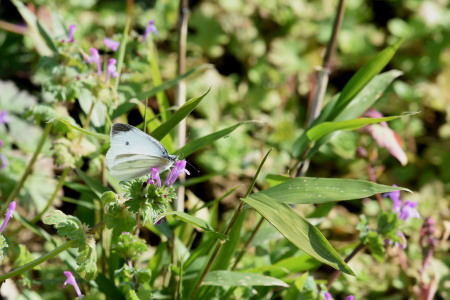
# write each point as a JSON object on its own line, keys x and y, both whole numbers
{"x": 200, "y": 223}
{"x": 87, "y": 259}
{"x": 229, "y": 278}
{"x": 199, "y": 143}
{"x": 297, "y": 230}
{"x": 363, "y": 76}
{"x": 309, "y": 190}
{"x": 127, "y": 106}
{"x": 33, "y": 31}
{"x": 326, "y": 128}
{"x": 177, "y": 117}
{"x": 76, "y": 127}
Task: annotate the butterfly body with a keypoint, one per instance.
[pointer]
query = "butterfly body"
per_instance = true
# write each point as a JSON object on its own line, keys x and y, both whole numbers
{"x": 134, "y": 153}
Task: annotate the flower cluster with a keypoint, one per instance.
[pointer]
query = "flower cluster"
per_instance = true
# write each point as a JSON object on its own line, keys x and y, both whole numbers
{"x": 178, "y": 169}
{"x": 404, "y": 209}
{"x": 149, "y": 29}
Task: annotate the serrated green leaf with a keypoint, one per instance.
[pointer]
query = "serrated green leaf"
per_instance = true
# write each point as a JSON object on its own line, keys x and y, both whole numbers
{"x": 87, "y": 260}
{"x": 177, "y": 117}
{"x": 199, "y": 143}
{"x": 297, "y": 230}
{"x": 68, "y": 226}
{"x": 119, "y": 219}
{"x": 325, "y": 128}
{"x": 229, "y": 278}
{"x": 3, "y": 245}
{"x": 310, "y": 190}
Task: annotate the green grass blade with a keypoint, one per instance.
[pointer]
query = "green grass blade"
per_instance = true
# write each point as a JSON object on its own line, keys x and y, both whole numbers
{"x": 199, "y": 143}
{"x": 311, "y": 190}
{"x": 91, "y": 133}
{"x": 297, "y": 230}
{"x": 176, "y": 118}
{"x": 326, "y": 128}
{"x": 229, "y": 278}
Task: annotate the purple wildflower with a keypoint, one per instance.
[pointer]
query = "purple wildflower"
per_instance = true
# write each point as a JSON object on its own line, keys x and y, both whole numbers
{"x": 395, "y": 197}
{"x": 327, "y": 296}
{"x": 72, "y": 281}
{"x": 3, "y": 117}
{"x": 125, "y": 232}
{"x": 111, "y": 70}
{"x": 154, "y": 177}
{"x": 111, "y": 44}
{"x": 409, "y": 210}
{"x": 177, "y": 170}
{"x": 350, "y": 297}
{"x": 8, "y": 215}
{"x": 150, "y": 28}
{"x": 4, "y": 161}
{"x": 95, "y": 58}
{"x": 71, "y": 32}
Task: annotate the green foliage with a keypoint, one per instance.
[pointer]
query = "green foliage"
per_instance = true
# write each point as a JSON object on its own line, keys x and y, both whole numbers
{"x": 3, "y": 245}
{"x": 129, "y": 246}
{"x": 227, "y": 278}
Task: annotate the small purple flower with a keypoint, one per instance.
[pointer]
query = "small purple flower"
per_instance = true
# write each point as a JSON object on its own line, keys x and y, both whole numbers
{"x": 8, "y": 215}
{"x": 72, "y": 281}
{"x": 327, "y": 296}
{"x": 95, "y": 58}
{"x": 154, "y": 177}
{"x": 177, "y": 170}
{"x": 111, "y": 44}
{"x": 125, "y": 232}
{"x": 395, "y": 197}
{"x": 350, "y": 297}
{"x": 3, "y": 117}
{"x": 71, "y": 32}
{"x": 150, "y": 28}
{"x": 4, "y": 161}
{"x": 409, "y": 210}
{"x": 111, "y": 70}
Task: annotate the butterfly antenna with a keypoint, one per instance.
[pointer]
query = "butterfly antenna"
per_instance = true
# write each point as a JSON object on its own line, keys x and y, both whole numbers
{"x": 145, "y": 115}
{"x": 198, "y": 171}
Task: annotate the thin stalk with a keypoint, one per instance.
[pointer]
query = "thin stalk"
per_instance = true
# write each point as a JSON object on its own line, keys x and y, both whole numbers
{"x": 336, "y": 273}
{"x": 37, "y": 261}
{"x": 89, "y": 115}
{"x": 181, "y": 90}
{"x": 323, "y": 74}
{"x": 247, "y": 243}
{"x": 219, "y": 245}
{"x": 27, "y": 171}
{"x": 53, "y": 196}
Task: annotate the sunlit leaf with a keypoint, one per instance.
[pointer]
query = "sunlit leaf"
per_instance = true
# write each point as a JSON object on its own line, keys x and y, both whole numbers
{"x": 229, "y": 278}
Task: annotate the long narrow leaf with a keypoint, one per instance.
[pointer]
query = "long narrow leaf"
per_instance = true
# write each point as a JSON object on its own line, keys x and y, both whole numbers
{"x": 72, "y": 126}
{"x": 297, "y": 230}
{"x": 326, "y": 128}
{"x": 310, "y": 190}
{"x": 229, "y": 278}
{"x": 199, "y": 143}
{"x": 176, "y": 118}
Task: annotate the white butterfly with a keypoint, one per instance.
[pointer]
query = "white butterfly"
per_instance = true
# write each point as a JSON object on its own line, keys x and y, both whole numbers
{"x": 133, "y": 153}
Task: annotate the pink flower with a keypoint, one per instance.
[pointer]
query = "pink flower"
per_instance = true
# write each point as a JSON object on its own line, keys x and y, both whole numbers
{"x": 177, "y": 170}
{"x": 111, "y": 69}
{"x": 3, "y": 117}
{"x": 8, "y": 215}
{"x": 111, "y": 44}
{"x": 386, "y": 137}
{"x": 150, "y": 28}
{"x": 154, "y": 177}
{"x": 72, "y": 29}
{"x": 72, "y": 281}
{"x": 95, "y": 58}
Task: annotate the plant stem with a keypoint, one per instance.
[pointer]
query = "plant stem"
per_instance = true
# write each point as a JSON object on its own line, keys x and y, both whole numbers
{"x": 27, "y": 171}
{"x": 181, "y": 90}
{"x": 37, "y": 261}
{"x": 219, "y": 245}
{"x": 247, "y": 243}
{"x": 53, "y": 196}
{"x": 323, "y": 74}
{"x": 336, "y": 273}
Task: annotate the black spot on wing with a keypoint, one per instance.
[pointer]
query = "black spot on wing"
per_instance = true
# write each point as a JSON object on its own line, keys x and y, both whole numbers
{"x": 127, "y": 143}
{"x": 120, "y": 127}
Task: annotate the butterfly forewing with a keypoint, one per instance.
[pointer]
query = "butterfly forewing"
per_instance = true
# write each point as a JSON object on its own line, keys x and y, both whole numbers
{"x": 134, "y": 153}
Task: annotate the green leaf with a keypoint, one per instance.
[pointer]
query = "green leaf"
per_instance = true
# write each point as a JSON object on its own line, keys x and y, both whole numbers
{"x": 87, "y": 259}
{"x": 177, "y": 117}
{"x": 119, "y": 219}
{"x": 363, "y": 76}
{"x": 96, "y": 186}
{"x": 290, "y": 265}
{"x": 3, "y": 245}
{"x": 127, "y": 106}
{"x": 309, "y": 190}
{"x": 297, "y": 230}
{"x": 229, "y": 278}
{"x": 68, "y": 226}
{"x": 46, "y": 36}
{"x": 326, "y": 128}
{"x": 199, "y": 143}
{"x": 76, "y": 127}
{"x": 196, "y": 222}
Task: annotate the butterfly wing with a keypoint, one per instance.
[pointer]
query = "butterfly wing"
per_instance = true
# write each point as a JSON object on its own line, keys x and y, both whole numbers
{"x": 134, "y": 153}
